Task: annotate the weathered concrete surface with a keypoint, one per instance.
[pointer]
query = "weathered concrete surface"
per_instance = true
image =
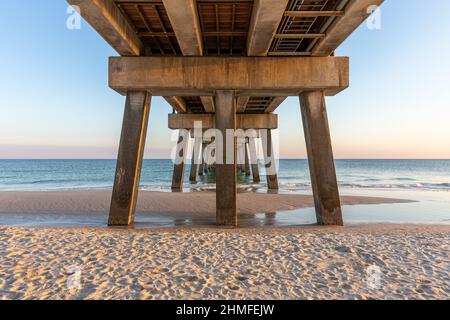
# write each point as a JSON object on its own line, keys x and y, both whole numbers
{"x": 355, "y": 14}
{"x": 195, "y": 159}
{"x": 275, "y": 104}
{"x": 208, "y": 103}
{"x": 271, "y": 171}
{"x": 266, "y": 17}
{"x": 108, "y": 21}
{"x": 274, "y": 76}
{"x": 177, "y": 103}
{"x": 185, "y": 23}
{"x": 247, "y": 161}
{"x": 254, "y": 159}
{"x": 320, "y": 158}
{"x": 129, "y": 159}
{"x": 242, "y": 103}
{"x": 226, "y": 181}
{"x": 243, "y": 121}
{"x": 180, "y": 161}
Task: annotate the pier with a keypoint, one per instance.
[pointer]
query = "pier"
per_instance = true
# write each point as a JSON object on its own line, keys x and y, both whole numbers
{"x": 228, "y": 65}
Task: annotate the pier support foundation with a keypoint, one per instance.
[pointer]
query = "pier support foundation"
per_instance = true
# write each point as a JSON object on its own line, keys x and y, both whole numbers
{"x": 226, "y": 182}
{"x": 320, "y": 158}
{"x": 129, "y": 159}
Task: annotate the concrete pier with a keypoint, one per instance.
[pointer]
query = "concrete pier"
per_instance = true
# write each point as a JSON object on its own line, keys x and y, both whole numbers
{"x": 226, "y": 72}
{"x": 226, "y": 182}
{"x": 246, "y": 157}
{"x": 129, "y": 159}
{"x": 195, "y": 159}
{"x": 180, "y": 161}
{"x": 269, "y": 158}
{"x": 320, "y": 158}
{"x": 254, "y": 160}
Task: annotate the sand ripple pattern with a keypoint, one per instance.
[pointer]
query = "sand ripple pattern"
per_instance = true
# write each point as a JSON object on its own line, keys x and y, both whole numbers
{"x": 274, "y": 263}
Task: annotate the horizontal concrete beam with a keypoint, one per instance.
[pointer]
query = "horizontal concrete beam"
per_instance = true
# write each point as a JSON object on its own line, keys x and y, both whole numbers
{"x": 266, "y": 17}
{"x": 105, "y": 17}
{"x": 208, "y": 103}
{"x": 202, "y": 76}
{"x": 177, "y": 103}
{"x": 244, "y": 121}
{"x": 183, "y": 17}
{"x": 356, "y": 12}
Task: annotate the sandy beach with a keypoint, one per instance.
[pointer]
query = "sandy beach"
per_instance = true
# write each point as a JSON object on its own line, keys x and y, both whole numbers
{"x": 203, "y": 262}
{"x": 270, "y": 263}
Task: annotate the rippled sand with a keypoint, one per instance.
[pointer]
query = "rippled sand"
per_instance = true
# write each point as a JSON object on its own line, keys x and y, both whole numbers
{"x": 206, "y": 263}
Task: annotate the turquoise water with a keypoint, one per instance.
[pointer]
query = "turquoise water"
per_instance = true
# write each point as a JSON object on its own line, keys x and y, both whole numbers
{"x": 425, "y": 181}
{"x": 417, "y": 175}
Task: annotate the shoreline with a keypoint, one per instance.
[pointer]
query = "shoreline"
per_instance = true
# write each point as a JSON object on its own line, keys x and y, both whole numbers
{"x": 195, "y": 202}
{"x": 163, "y": 209}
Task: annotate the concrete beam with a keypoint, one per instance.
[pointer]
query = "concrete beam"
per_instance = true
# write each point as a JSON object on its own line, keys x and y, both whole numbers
{"x": 356, "y": 12}
{"x": 275, "y": 104}
{"x": 243, "y": 121}
{"x": 185, "y": 23}
{"x": 105, "y": 17}
{"x": 320, "y": 159}
{"x": 266, "y": 17}
{"x": 190, "y": 76}
{"x": 242, "y": 103}
{"x": 208, "y": 103}
{"x": 129, "y": 159}
{"x": 177, "y": 103}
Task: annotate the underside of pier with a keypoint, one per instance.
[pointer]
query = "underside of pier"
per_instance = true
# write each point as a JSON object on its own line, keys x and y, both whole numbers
{"x": 227, "y": 64}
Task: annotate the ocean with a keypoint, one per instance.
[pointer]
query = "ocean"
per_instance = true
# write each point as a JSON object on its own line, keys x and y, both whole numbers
{"x": 293, "y": 175}
{"x": 425, "y": 181}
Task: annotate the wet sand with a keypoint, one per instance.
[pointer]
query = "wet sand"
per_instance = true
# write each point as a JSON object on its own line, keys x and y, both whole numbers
{"x": 192, "y": 203}
{"x": 153, "y": 208}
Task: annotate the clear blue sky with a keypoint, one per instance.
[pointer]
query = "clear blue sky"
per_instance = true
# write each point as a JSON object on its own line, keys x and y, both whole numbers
{"x": 55, "y": 102}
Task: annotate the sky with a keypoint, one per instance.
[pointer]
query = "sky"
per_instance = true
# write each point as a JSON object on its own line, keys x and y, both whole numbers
{"x": 55, "y": 101}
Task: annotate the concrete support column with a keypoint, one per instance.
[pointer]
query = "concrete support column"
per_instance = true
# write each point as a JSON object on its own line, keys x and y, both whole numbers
{"x": 254, "y": 159}
{"x": 201, "y": 169}
{"x": 271, "y": 170}
{"x": 194, "y": 161}
{"x": 247, "y": 162}
{"x": 129, "y": 159}
{"x": 226, "y": 182}
{"x": 320, "y": 158}
{"x": 180, "y": 160}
